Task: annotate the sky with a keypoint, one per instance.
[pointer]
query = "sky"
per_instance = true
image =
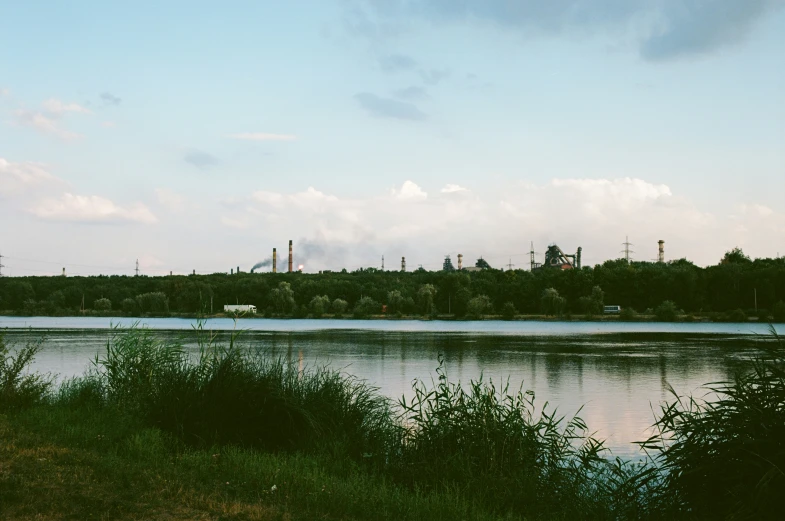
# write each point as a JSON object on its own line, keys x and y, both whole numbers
{"x": 199, "y": 136}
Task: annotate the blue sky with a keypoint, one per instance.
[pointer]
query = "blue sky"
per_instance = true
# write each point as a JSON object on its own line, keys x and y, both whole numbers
{"x": 199, "y": 136}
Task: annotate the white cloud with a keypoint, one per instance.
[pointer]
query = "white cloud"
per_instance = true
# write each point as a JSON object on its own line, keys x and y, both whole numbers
{"x": 262, "y": 136}
{"x": 5, "y": 92}
{"x": 91, "y": 209}
{"x": 170, "y": 200}
{"x": 57, "y": 107}
{"x": 16, "y": 178}
{"x": 43, "y": 124}
{"x": 409, "y": 191}
{"x": 452, "y": 188}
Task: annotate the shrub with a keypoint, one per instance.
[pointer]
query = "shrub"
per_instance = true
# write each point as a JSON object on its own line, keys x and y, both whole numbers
{"x": 102, "y": 304}
{"x": 737, "y": 315}
{"x": 667, "y": 311}
{"x": 627, "y": 314}
{"x": 552, "y": 303}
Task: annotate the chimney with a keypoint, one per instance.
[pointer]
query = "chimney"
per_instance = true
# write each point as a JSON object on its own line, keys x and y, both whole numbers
{"x": 170, "y": 273}
{"x": 275, "y": 261}
{"x": 194, "y": 272}
{"x": 63, "y": 272}
{"x": 290, "y": 255}
{"x": 403, "y": 263}
{"x": 460, "y": 261}
{"x": 231, "y": 271}
{"x": 661, "y": 255}
{"x": 238, "y": 270}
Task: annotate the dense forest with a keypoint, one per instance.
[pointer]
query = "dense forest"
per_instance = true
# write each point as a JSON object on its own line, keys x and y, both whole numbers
{"x": 736, "y": 287}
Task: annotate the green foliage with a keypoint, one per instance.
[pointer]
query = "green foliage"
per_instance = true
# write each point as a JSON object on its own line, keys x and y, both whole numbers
{"x": 339, "y": 307}
{"x": 130, "y": 306}
{"x": 425, "y": 297}
{"x": 396, "y": 302}
{"x": 628, "y": 314}
{"x": 552, "y": 303}
{"x": 154, "y": 302}
{"x": 737, "y": 315}
{"x": 102, "y": 304}
{"x": 735, "y": 256}
{"x": 319, "y": 305}
{"x": 366, "y": 307}
{"x": 18, "y": 387}
{"x": 282, "y": 298}
{"x": 725, "y": 459}
{"x": 667, "y": 311}
{"x": 478, "y": 306}
{"x": 508, "y": 311}
{"x": 778, "y": 312}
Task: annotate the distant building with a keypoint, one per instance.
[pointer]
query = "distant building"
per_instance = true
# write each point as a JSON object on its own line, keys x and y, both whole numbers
{"x": 447, "y": 265}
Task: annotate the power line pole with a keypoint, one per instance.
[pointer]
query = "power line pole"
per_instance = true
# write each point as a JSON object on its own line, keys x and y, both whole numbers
{"x": 510, "y": 264}
{"x": 382, "y": 262}
{"x": 626, "y": 251}
{"x": 1, "y": 265}
{"x": 137, "y": 267}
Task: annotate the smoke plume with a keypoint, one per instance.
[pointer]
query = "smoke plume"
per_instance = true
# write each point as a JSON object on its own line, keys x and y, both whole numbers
{"x": 262, "y": 264}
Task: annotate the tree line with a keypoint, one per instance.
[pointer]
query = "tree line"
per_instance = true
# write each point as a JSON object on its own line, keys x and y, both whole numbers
{"x": 736, "y": 285}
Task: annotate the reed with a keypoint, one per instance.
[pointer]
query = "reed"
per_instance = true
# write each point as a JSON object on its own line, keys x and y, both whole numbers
{"x": 18, "y": 387}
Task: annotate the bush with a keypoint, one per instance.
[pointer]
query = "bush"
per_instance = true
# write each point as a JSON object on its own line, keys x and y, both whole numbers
{"x": 627, "y": 314}
{"x": 726, "y": 459}
{"x": 102, "y": 304}
{"x": 667, "y": 311}
{"x": 18, "y": 388}
{"x": 737, "y": 315}
{"x": 552, "y": 303}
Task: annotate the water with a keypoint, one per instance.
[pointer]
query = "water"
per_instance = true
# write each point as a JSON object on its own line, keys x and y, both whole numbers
{"x": 615, "y": 371}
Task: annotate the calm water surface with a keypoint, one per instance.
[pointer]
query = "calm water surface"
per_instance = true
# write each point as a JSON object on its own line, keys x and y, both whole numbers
{"x": 615, "y": 371}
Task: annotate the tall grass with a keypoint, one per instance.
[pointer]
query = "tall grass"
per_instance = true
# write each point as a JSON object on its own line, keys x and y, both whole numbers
{"x": 19, "y": 388}
{"x": 227, "y": 394}
{"x": 725, "y": 458}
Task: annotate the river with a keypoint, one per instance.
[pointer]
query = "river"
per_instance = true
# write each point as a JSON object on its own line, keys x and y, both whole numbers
{"x": 614, "y": 372}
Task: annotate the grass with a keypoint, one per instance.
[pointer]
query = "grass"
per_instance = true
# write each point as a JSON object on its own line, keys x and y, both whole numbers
{"x": 153, "y": 432}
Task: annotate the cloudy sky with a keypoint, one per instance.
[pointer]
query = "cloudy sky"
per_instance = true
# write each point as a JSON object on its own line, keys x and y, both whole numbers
{"x": 193, "y": 135}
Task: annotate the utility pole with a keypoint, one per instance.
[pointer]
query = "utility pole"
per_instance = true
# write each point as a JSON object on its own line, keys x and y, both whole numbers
{"x": 1, "y": 265}
{"x": 382, "y": 262}
{"x": 510, "y": 265}
{"x": 137, "y": 267}
{"x": 626, "y": 251}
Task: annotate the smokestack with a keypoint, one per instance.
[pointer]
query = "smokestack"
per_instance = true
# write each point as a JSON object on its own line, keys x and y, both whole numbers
{"x": 290, "y": 256}
{"x": 238, "y": 270}
{"x": 170, "y": 273}
{"x": 403, "y": 263}
{"x": 661, "y": 255}
{"x": 275, "y": 261}
{"x": 460, "y": 261}
{"x": 194, "y": 272}
{"x": 63, "y": 272}
{"x": 231, "y": 271}
{"x": 578, "y": 258}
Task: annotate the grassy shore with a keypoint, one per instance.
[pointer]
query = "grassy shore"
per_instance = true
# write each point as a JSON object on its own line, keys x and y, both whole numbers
{"x": 152, "y": 433}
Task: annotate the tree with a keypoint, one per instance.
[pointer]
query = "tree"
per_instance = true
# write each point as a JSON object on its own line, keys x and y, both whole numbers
{"x": 366, "y": 307}
{"x": 735, "y": 256}
{"x": 425, "y": 296}
{"x": 552, "y": 303}
{"x": 154, "y": 302}
{"x": 478, "y": 306}
{"x": 778, "y": 311}
{"x": 102, "y": 304}
{"x": 16, "y": 293}
{"x": 339, "y": 307}
{"x": 282, "y": 298}
{"x": 593, "y": 304}
{"x": 395, "y": 302}
{"x": 319, "y": 304}
{"x": 129, "y": 306}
